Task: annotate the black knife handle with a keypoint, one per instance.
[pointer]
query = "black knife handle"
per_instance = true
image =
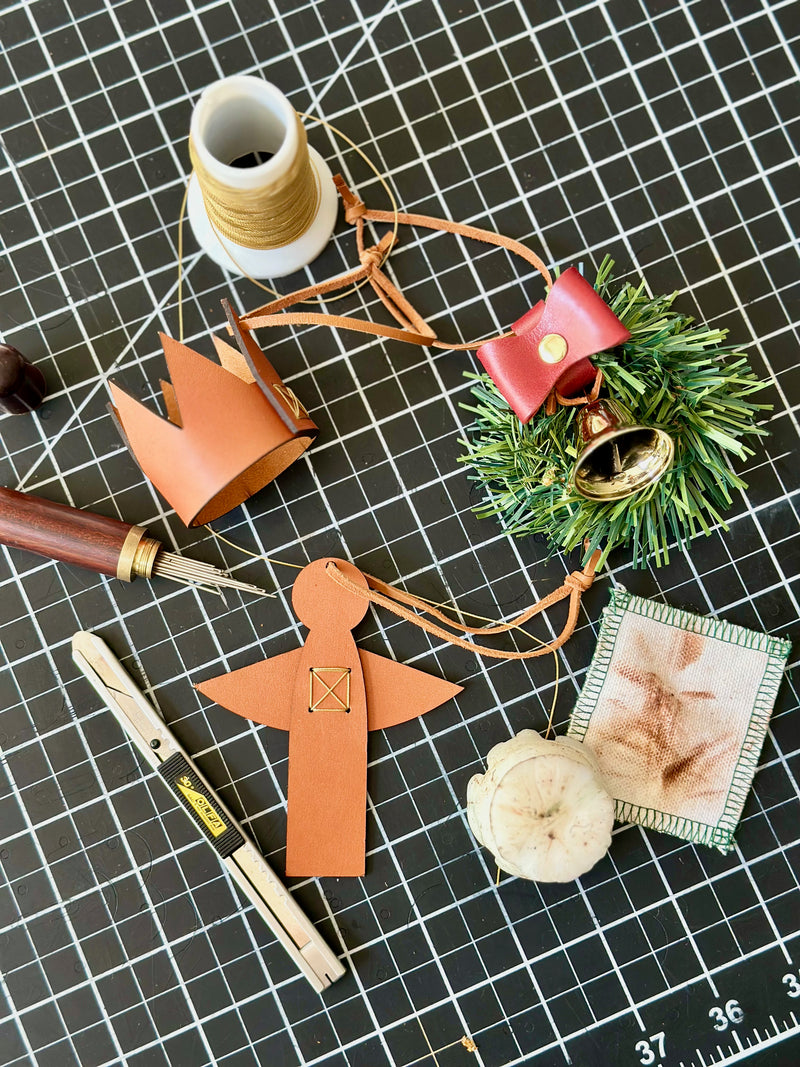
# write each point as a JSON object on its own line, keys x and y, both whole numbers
{"x": 201, "y": 805}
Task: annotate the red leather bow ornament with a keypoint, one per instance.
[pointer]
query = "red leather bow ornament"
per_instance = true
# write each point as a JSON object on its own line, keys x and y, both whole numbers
{"x": 550, "y": 345}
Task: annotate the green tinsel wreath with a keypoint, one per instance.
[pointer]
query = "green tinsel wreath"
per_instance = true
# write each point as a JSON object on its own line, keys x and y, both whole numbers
{"x": 670, "y": 375}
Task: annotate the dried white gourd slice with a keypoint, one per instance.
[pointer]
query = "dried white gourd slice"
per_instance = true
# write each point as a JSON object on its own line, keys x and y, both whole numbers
{"x": 541, "y": 808}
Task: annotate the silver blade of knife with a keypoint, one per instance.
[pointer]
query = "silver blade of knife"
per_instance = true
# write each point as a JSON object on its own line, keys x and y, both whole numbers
{"x": 115, "y": 687}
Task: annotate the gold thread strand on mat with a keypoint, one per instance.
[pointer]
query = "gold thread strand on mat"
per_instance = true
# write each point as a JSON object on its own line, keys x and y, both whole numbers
{"x": 253, "y": 555}
{"x": 395, "y": 210}
{"x": 269, "y": 216}
{"x": 522, "y": 630}
{"x": 179, "y": 293}
{"x": 466, "y": 1041}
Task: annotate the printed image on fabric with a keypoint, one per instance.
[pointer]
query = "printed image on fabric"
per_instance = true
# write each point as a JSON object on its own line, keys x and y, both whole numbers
{"x": 675, "y": 709}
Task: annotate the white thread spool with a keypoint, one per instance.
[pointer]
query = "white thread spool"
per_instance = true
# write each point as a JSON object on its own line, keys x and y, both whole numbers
{"x": 235, "y": 117}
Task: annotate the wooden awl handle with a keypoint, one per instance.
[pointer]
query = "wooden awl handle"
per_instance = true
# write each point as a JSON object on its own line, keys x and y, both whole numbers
{"x": 69, "y": 535}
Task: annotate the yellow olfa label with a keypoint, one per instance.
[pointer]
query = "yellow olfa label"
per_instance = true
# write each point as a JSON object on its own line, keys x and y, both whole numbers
{"x": 210, "y": 817}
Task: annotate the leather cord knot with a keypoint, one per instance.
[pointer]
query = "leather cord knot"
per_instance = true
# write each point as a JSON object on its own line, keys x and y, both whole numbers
{"x": 354, "y": 208}
{"x": 371, "y": 258}
{"x": 354, "y": 211}
{"x": 579, "y": 580}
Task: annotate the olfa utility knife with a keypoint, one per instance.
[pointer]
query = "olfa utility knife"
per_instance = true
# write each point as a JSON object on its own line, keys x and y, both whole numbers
{"x": 247, "y": 866}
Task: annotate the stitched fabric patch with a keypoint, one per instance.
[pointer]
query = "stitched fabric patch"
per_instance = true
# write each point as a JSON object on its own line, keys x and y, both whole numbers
{"x": 675, "y": 708}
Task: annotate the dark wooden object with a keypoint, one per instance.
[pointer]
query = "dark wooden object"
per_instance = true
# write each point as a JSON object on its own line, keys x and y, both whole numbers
{"x": 61, "y": 532}
{"x": 22, "y": 386}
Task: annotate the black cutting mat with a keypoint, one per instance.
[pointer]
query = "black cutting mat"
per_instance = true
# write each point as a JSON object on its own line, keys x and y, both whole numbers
{"x": 663, "y": 133}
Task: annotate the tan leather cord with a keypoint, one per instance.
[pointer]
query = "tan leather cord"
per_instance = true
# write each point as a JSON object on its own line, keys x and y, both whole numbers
{"x": 342, "y": 322}
{"x": 554, "y": 398}
{"x": 379, "y": 251}
{"x": 386, "y": 596}
{"x": 413, "y": 327}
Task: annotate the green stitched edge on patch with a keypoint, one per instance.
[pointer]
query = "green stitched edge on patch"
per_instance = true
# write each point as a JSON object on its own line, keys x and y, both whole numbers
{"x": 668, "y": 823}
{"x": 729, "y": 632}
{"x": 747, "y": 761}
{"x": 777, "y": 651}
{"x": 601, "y": 660}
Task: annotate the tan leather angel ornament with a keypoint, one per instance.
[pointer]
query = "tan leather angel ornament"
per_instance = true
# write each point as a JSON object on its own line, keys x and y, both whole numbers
{"x": 328, "y": 694}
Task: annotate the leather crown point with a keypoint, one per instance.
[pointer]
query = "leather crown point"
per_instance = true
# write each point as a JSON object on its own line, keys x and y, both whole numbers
{"x": 551, "y": 344}
{"x": 232, "y": 427}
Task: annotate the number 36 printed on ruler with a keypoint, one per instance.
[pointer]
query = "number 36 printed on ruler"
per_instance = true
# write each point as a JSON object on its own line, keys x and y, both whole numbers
{"x": 653, "y": 1048}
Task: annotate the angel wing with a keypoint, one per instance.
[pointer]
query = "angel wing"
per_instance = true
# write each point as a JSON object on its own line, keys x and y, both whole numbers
{"x": 397, "y": 693}
{"x": 261, "y": 692}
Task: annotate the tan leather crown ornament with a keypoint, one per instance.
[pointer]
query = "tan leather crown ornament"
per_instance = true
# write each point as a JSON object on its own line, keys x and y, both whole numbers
{"x": 232, "y": 427}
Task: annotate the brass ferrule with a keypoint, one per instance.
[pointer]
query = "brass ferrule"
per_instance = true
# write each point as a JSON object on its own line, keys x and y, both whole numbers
{"x": 146, "y": 552}
{"x": 138, "y": 555}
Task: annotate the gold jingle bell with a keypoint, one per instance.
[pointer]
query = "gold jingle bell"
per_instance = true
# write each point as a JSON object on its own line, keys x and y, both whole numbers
{"x": 616, "y": 457}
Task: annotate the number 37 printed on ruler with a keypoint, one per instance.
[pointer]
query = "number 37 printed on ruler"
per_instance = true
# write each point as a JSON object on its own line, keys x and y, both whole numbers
{"x": 652, "y": 1049}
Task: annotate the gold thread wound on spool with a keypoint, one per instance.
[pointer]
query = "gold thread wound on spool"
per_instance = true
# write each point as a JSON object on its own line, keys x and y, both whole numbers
{"x": 271, "y": 216}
